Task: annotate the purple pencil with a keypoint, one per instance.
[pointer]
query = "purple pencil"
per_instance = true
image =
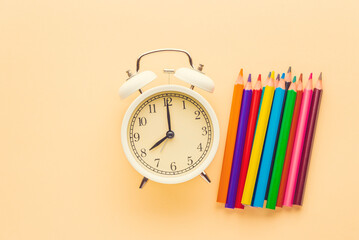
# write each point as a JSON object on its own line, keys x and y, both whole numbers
{"x": 238, "y": 150}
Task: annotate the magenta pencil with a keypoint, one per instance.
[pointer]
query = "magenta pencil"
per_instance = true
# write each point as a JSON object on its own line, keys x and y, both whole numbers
{"x": 298, "y": 144}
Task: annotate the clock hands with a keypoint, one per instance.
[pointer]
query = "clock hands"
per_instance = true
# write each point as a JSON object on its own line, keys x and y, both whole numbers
{"x": 159, "y": 142}
{"x": 168, "y": 117}
{"x": 169, "y": 133}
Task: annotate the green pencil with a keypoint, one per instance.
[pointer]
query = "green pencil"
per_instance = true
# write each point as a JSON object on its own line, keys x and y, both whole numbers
{"x": 282, "y": 147}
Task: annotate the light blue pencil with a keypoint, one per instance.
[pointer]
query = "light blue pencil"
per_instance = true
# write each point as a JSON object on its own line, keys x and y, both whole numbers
{"x": 268, "y": 150}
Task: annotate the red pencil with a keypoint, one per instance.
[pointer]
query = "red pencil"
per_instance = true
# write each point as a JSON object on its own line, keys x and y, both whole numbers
{"x": 251, "y": 126}
{"x": 288, "y": 155}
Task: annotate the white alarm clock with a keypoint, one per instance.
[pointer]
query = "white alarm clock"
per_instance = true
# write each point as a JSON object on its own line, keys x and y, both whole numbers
{"x": 170, "y": 133}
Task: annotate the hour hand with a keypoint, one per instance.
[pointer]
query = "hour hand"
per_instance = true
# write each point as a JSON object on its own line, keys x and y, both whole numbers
{"x": 159, "y": 142}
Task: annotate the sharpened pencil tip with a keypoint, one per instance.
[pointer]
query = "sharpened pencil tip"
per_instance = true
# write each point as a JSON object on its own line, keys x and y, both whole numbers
{"x": 278, "y": 77}
{"x": 272, "y": 75}
{"x": 310, "y": 76}
{"x": 283, "y": 76}
{"x": 259, "y": 77}
{"x": 320, "y": 76}
{"x": 294, "y": 79}
{"x": 301, "y": 77}
{"x": 241, "y": 72}
{"x": 249, "y": 78}
{"x": 289, "y": 69}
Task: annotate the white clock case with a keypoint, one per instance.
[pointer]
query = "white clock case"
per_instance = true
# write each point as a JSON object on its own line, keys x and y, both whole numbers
{"x": 140, "y": 168}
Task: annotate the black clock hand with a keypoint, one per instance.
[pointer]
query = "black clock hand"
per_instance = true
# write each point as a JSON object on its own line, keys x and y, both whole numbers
{"x": 168, "y": 117}
{"x": 170, "y": 133}
{"x": 159, "y": 142}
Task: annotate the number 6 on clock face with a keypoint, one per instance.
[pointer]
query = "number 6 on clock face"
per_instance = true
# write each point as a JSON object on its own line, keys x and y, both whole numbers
{"x": 170, "y": 134}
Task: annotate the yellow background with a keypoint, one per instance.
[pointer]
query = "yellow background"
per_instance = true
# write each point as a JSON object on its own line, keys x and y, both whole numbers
{"x": 63, "y": 174}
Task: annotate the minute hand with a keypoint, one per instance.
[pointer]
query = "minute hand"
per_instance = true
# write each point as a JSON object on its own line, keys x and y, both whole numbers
{"x": 168, "y": 117}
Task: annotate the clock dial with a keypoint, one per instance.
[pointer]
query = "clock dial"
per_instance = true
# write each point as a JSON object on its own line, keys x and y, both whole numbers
{"x": 170, "y": 134}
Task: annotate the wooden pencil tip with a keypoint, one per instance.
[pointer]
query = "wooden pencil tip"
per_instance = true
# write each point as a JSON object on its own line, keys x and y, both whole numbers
{"x": 241, "y": 72}
{"x": 272, "y": 75}
{"x": 293, "y": 87}
{"x": 310, "y": 76}
{"x": 320, "y": 76}
{"x": 239, "y": 79}
{"x": 250, "y": 78}
{"x": 289, "y": 69}
{"x": 283, "y": 76}
{"x": 301, "y": 77}
{"x": 294, "y": 79}
{"x": 278, "y": 77}
{"x": 259, "y": 77}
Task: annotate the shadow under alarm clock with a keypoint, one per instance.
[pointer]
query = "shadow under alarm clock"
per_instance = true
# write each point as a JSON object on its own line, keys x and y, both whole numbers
{"x": 170, "y": 133}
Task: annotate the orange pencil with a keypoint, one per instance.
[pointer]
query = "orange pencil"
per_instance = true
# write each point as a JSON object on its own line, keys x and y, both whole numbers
{"x": 231, "y": 138}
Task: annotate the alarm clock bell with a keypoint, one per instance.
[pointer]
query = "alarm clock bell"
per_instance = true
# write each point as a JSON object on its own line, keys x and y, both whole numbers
{"x": 195, "y": 77}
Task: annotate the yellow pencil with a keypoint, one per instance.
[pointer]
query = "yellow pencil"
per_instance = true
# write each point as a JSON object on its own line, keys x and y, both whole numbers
{"x": 258, "y": 142}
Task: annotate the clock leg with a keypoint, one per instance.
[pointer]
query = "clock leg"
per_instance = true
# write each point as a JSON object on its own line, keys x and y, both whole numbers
{"x": 143, "y": 182}
{"x": 205, "y": 177}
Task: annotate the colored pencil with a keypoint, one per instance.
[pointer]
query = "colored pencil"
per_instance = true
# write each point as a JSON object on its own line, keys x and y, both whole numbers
{"x": 298, "y": 144}
{"x": 287, "y": 81}
{"x": 267, "y": 154}
{"x": 308, "y": 142}
{"x": 258, "y": 142}
{"x": 281, "y": 148}
{"x": 231, "y": 138}
{"x": 293, "y": 130}
{"x": 238, "y": 150}
{"x": 252, "y": 120}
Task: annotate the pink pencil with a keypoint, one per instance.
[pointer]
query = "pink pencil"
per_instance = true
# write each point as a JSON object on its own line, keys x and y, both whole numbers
{"x": 298, "y": 144}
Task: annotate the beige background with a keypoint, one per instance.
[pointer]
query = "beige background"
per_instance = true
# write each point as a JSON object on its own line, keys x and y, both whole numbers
{"x": 63, "y": 174}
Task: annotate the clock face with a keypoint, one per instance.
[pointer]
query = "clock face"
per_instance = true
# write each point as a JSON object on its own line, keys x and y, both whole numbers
{"x": 170, "y": 134}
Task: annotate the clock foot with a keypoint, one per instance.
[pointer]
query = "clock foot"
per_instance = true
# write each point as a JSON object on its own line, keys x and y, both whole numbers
{"x": 143, "y": 182}
{"x": 205, "y": 177}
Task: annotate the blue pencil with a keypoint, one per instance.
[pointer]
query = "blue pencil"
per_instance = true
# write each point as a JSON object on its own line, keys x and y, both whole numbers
{"x": 267, "y": 154}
